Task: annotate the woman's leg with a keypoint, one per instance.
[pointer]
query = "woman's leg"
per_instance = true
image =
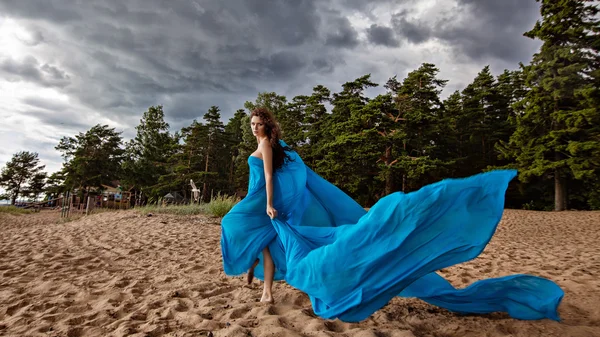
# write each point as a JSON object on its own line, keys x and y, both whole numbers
{"x": 269, "y": 268}
{"x": 250, "y": 275}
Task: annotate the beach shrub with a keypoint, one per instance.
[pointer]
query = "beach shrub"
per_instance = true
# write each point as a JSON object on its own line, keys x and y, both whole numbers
{"x": 193, "y": 209}
{"x": 221, "y": 204}
{"x": 14, "y": 210}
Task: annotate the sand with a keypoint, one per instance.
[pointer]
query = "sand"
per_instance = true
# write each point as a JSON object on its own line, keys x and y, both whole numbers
{"x": 124, "y": 274}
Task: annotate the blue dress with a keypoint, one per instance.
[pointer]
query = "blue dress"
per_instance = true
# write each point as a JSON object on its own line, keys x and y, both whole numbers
{"x": 351, "y": 262}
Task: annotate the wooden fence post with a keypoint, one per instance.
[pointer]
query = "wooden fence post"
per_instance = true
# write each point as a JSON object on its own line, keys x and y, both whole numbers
{"x": 87, "y": 207}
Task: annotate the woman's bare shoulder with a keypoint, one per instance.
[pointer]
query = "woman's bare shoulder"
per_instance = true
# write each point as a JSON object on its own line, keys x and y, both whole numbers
{"x": 264, "y": 144}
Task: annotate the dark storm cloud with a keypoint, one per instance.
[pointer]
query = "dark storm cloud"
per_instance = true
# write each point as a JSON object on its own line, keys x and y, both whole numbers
{"x": 60, "y": 120}
{"x": 55, "y": 11}
{"x": 366, "y": 7}
{"x": 129, "y": 56}
{"x": 51, "y": 112}
{"x": 283, "y": 64}
{"x": 495, "y": 29}
{"x": 323, "y": 65}
{"x": 31, "y": 70}
{"x": 45, "y": 104}
{"x": 340, "y": 33}
{"x": 477, "y": 29}
{"x": 382, "y": 35}
{"x": 118, "y": 58}
{"x": 413, "y": 31}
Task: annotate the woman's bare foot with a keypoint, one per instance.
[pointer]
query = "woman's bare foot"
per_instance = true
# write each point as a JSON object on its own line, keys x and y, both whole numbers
{"x": 267, "y": 299}
{"x": 250, "y": 275}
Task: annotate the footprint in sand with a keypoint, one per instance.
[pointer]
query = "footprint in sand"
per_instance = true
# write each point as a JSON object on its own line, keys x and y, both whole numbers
{"x": 181, "y": 305}
{"x": 218, "y": 291}
{"x": 335, "y": 326}
{"x": 239, "y": 312}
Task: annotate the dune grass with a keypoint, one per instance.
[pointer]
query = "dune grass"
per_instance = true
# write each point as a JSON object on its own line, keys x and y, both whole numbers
{"x": 218, "y": 206}
{"x": 14, "y": 210}
{"x": 221, "y": 204}
{"x": 193, "y": 209}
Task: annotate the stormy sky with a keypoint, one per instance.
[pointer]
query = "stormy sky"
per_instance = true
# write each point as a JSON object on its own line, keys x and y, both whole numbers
{"x": 66, "y": 65}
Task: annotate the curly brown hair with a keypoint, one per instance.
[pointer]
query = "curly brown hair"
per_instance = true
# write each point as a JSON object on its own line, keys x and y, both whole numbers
{"x": 273, "y": 132}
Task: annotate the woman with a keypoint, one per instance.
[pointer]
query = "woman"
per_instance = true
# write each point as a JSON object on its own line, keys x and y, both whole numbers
{"x": 272, "y": 154}
{"x": 351, "y": 262}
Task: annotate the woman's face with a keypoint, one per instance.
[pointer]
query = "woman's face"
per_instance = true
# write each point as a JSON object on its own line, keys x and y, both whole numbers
{"x": 258, "y": 127}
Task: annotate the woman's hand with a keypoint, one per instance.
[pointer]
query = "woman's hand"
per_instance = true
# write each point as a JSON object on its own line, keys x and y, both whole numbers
{"x": 271, "y": 212}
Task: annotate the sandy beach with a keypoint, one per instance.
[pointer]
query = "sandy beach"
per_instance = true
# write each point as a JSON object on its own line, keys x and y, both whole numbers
{"x": 126, "y": 274}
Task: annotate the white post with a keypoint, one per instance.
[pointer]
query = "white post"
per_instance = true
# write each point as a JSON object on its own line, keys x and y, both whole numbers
{"x": 87, "y": 208}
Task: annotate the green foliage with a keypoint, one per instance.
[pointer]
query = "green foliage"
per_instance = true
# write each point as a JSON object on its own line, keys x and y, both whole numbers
{"x": 192, "y": 209}
{"x": 92, "y": 158}
{"x": 235, "y": 131}
{"x": 558, "y": 134}
{"x": 343, "y": 155}
{"x": 221, "y": 204}
{"x": 22, "y": 175}
{"x": 36, "y": 186}
{"x": 218, "y": 206}
{"x": 147, "y": 155}
{"x": 217, "y": 163}
{"x": 14, "y": 210}
{"x": 313, "y": 125}
{"x": 55, "y": 184}
{"x": 245, "y": 148}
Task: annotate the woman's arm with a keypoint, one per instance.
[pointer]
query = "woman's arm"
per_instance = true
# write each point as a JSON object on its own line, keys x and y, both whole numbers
{"x": 267, "y": 154}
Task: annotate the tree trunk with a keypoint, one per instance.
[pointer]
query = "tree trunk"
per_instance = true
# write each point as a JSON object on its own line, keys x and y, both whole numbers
{"x": 231, "y": 171}
{"x": 15, "y": 195}
{"x": 204, "y": 189}
{"x": 389, "y": 178}
{"x": 560, "y": 192}
{"x": 483, "y": 148}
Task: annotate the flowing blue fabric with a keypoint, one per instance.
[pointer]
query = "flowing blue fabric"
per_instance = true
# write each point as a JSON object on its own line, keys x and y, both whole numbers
{"x": 351, "y": 262}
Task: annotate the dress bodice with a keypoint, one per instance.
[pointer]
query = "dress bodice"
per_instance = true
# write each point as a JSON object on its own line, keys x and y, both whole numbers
{"x": 257, "y": 174}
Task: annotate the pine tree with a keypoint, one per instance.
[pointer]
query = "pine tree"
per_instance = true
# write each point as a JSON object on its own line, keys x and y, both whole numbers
{"x": 485, "y": 118}
{"x": 456, "y": 135}
{"x": 417, "y": 99}
{"x": 37, "y": 185}
{"x": 245, "y": 148}
{"x": 478, "y": 98}
{"x": 92, "y": 159}
{"x": 187, "y": 161}
{"x": 21, "y": 174}
{"x": 344, "y": 160}
{"x": 147, "y": 155}
{"x": 292, "y": 122}
{"x": 55, "y": 185}
{"x": 314, "y": 118}
{"x": 557, "y": 136}
{"x": 216, "y": 145}
{"x": 235, "y": 133}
